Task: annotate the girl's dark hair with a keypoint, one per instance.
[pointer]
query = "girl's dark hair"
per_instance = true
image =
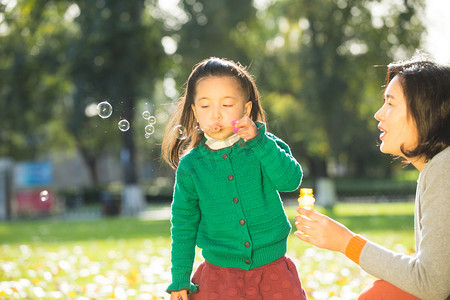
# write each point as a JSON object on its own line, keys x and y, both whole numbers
{"x": 426, "y": 86}
{"x": 174, "y": 148}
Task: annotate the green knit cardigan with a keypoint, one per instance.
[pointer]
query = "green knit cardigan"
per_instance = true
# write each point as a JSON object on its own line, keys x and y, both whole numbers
{"x": 226, "y": 202}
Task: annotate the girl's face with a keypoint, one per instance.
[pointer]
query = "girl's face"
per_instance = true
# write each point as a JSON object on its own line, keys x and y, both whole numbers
{"x": 217, "y": 102}
{"x": 397, "y": 127}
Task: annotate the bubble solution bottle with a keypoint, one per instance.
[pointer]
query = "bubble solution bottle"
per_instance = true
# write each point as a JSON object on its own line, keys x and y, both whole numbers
{"x": 306, "y": 199}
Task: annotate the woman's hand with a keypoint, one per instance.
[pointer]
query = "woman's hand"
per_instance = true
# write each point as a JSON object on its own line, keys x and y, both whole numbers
{"x": 246, "y": 128}
{"x": 179, "y": 295}
{"x": 322, "y": 231}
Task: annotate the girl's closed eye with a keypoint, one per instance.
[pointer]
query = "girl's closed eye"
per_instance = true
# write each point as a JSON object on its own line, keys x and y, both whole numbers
{"x": 203, "y": 104}
{"x": 228, "y": 102}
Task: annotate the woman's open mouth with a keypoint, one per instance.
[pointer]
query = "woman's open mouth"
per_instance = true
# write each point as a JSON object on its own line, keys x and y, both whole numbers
{"x": 383, "y": 132}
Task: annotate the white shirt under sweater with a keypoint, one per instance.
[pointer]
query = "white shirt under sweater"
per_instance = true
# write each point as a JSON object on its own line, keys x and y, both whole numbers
{"x": 220, "y": 144}
{"x": 427, "y": 274}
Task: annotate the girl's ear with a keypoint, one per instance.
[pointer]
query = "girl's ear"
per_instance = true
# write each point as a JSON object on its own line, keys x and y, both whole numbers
{"x": 248, "y": 108}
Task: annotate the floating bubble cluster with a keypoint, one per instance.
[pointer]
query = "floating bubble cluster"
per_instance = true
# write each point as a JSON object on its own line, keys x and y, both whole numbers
{"x": 180, "y": 132}
{"x": 124, "y": 125}
{"x": 104, "y": 109}
{"x": 149, "y": 129}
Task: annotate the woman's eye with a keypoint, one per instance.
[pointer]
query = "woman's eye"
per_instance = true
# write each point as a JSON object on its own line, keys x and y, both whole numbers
{"x": 228, "y": 105}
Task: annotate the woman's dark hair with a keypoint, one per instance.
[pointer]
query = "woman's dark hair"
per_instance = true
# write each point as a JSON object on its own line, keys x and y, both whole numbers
{"x": 426, "y": 86}
{"x": 172, "y": 147}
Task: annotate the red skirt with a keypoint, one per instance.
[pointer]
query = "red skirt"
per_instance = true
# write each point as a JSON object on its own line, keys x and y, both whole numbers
{"x": 276, "y": 280}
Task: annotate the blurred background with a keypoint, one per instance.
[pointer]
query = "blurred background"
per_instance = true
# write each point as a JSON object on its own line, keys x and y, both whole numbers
{"x": 319, "y": 66}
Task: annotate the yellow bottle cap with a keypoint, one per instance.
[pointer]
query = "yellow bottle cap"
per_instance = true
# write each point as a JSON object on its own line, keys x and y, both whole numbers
{"x": 306, "y": 192}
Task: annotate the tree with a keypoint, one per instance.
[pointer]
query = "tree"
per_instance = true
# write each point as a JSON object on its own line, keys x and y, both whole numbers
{"x": 112, "y": 54}
{"x": 62, "y": 58}
{"x": 321, "y": 57}
{"x": 32, "y": 81}
{"x": 210, "y": 28}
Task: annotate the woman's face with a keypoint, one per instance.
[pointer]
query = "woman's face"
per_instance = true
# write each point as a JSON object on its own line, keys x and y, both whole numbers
{"x": 217, "y": 102}
{"x": 397, "y": 128}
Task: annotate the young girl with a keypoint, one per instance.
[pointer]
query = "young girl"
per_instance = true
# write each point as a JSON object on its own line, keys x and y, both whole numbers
{"x": 415, "y": 124}
{"x": 226, "y": 197}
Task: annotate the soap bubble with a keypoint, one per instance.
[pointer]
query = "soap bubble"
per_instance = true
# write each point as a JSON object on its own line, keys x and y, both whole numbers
{"x": 147, "y": 135}
{"x": 180, "y": 132}
{"x": 146, "y": 115}
{"x": 44, "y": 195}
{"x": 104, "y": 109}
{"x": 198, "y": 129}
{"x": 124, "y": 125}
{"x": 149, "y": 129}
{"x": 151, "y": 120}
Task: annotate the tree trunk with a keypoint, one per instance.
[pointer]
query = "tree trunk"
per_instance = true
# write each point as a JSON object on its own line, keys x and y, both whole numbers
{"x": 128, "y": 154}
{"x": 318, "y": 167}
{"x": 132, "y": 198}
{"x": 90, "y": 162}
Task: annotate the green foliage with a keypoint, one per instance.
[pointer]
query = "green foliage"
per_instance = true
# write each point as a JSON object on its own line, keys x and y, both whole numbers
{"x": 59, "y": 58}
{"x": 115, "y": 52}
{"x": 211, "y": 28}
{"x": 313, "y": 62}
{"x": 56, "y": 231}
{"x": 323, "y": 53}
{"x": 30, "y": 76}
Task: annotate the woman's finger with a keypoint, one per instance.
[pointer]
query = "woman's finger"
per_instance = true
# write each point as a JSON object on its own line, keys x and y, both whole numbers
{"x": 305, "y": 237}
{"x": 312, "y": 214}
{"x": 303, "y": 221}
{"x": 305, "y": 229}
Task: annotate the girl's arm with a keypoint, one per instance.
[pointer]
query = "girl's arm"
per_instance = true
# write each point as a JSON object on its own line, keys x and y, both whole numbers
{"x": 276, "y": 159}
{"x": 185, "y": 222}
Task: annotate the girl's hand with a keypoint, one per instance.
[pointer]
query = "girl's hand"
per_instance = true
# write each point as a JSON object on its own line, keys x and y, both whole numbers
{"x": 246, "y": 128}
{"x": 179, "y": 295}
{"x": 322, "y": 231}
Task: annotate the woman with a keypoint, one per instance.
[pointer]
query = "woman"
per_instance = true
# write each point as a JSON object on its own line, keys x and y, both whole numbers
{"x": 415, "y": 124}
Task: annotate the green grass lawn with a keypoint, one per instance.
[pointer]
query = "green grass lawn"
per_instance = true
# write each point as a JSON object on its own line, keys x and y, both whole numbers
{"x": 129, "y": 258}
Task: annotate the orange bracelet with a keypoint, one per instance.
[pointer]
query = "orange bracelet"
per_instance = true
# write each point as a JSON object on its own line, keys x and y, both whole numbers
{"x": 354, "y": 248}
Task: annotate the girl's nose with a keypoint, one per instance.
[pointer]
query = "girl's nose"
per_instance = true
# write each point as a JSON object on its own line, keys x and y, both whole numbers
{"x": 216, "y": 115}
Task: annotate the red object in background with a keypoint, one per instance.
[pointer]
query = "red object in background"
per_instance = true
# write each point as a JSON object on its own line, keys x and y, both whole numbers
{"x": 34, "y": 202}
